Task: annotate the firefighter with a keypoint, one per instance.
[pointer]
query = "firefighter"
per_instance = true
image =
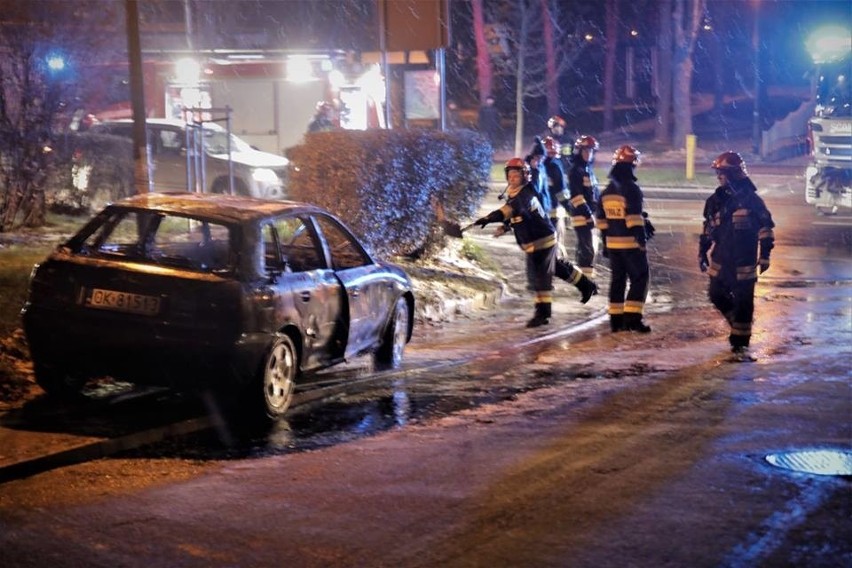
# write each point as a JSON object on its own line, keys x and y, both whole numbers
{"x": 535, "y": 236}
{"x": 322, "y": 120}
{"x": 556, "y": 130}
{"x": 558, "y": 189}
{"x": 535, "y": 160}
{"x": 738, "y": 234}
{"x": 585, "y": 195}
{"x": 623, "y": 226}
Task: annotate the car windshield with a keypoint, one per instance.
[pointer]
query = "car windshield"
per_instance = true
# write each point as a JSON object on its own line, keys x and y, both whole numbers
{"x": 158, "y": 238}
{"x": 216, "y": 142}
{"x": 834, "y": 92}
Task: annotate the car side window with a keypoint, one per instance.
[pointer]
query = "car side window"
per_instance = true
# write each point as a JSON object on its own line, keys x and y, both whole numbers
{"x": 192, "y": 243}
{"x": 346, "y": 252}
{"x": 119, "y": 234}
{"x": 290, "y": 242}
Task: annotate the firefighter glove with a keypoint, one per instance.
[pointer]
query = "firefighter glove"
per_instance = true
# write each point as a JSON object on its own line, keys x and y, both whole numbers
{"x": 649, "y": 228}
{"x": 703, "y": 265}
{"x": 763, "y": 266}
{"x": 481, "y": 222}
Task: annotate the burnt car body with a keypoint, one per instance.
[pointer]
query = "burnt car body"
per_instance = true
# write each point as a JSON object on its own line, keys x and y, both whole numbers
{"x": 212, "y": 291}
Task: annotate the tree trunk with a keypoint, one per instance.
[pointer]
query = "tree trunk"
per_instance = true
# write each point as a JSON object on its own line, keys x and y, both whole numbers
{"x": 550, "y": 60}
{"x": 609, "y": 63}
{"x": 519, "y": 83}
{"x": 685, "y": 32}
{"x": 663, "y": 74}
{"x": 483, "y": 56}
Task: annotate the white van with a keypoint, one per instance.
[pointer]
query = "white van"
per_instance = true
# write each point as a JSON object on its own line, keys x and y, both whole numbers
{"x": 255, "y": 173}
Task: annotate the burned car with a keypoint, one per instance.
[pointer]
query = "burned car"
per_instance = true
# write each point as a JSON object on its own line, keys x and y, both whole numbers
{"x": 212, "y": 291}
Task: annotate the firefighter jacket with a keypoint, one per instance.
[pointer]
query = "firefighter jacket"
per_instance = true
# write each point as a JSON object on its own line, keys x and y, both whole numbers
{"x": 584, "y": 192}
{"x": 539, "y": 182}
{"x": 532, "y": 228}
{"x": 739, "y": 228}
{"x": 620, "y": 217}
{"x": 556, "y": 184}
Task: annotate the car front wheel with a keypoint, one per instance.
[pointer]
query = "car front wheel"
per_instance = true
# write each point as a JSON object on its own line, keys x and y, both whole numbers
{"x": 389, "y": 353}
{"x": 279, "y": 376}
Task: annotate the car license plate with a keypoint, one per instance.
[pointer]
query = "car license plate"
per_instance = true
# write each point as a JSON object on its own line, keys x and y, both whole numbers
{"x": 123, "y": 302}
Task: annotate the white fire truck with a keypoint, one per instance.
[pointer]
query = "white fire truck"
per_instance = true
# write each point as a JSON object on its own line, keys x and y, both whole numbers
{"x": 828, "y": 178}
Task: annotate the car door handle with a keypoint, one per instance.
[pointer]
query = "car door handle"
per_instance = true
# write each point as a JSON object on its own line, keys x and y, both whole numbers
{"x": 305, "y": 295}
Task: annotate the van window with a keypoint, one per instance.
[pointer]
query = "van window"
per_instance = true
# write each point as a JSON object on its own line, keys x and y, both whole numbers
{"x": 171, "y": 141}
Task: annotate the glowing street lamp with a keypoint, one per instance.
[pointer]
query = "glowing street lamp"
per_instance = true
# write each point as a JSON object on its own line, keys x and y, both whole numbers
{"x": 829, "y": 43}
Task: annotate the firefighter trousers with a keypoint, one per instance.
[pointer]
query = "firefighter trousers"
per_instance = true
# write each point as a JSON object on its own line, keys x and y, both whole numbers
{"x": 735, "y": 301}
{"x": 585, "y": 249}
{"x": 628, "y": 265}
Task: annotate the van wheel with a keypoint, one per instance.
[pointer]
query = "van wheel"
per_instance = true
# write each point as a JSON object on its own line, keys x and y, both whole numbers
{"x": 99, "y": 197}
{"x": 220, "y": 186}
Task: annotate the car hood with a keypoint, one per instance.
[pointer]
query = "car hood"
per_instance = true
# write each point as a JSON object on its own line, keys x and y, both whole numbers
{"x": 255, "y": 159}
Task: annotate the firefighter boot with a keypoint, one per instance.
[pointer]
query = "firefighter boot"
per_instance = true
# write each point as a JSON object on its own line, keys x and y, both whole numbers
{"x": 587, "y": 288}
{"x": 616, "y": 322}
{"x": 633, "y": 322}
{"x": 542, "y": 315}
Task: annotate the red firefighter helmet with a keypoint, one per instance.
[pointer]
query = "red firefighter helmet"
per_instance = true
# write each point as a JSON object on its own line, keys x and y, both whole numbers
{"x": 586, "y": 142}
{"x": 627, "y": 154}
{"x": 556, "y": 120}
{"x": 730, "y": 163}
{"x": 551, "y": 146}
{"x": 517, "y": 164}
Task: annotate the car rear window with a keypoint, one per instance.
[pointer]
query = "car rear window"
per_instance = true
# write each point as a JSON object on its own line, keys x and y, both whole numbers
{"x": 163, "y": 239}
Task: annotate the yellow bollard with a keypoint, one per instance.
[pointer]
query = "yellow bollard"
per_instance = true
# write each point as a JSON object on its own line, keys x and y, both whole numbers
{"x": 690, "y": 156}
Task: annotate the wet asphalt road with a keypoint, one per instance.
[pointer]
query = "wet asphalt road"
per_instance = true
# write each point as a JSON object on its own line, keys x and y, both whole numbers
{"x": 445, "y": 366}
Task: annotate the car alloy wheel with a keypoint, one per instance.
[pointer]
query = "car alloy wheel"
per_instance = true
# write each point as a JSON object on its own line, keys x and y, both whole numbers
{"x": 389, "y": 354}
{"x": 279, "y": 376}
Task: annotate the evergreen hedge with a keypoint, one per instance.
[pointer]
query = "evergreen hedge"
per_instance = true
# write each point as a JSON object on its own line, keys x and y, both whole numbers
{"x": 383, "y": 183}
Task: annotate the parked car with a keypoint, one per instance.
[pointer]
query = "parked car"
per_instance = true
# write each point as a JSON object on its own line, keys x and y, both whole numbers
{"x": 170, "y": 142}
{"x": 212, "y": 291}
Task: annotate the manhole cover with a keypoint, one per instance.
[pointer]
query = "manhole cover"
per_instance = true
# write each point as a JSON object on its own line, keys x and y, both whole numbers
{"x": 820, "y": 462}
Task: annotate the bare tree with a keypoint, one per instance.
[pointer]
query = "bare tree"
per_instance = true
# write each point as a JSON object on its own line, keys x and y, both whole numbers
{"x": 42, "y": 45}
{"x": 686, "y": 18}
{"x": 609, "y": 62}
{"x": 663, "y": 74}
{"x": 534, "y": 71}
{"x": 483, "y": 55}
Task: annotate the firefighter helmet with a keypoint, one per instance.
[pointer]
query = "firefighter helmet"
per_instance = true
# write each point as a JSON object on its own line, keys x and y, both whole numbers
{"x": 627, "y": 154}
{"x": 554, "y": 121}
{"x": 730, "y": 162}
{"x": 585, "y": 142}
{"x": 517, "y": 164}
{"x": 551, "y": 146}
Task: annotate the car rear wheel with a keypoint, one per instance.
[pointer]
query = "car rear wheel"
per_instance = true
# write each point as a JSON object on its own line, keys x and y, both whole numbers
{"x": 389, "y": 353}
{"x": 279, "y": 376}
{"x": 58, "y": 383}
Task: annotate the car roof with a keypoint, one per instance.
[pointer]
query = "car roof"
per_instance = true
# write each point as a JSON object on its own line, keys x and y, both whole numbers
{"x": 215, "y": 207}
{"x": 174, "y": 122}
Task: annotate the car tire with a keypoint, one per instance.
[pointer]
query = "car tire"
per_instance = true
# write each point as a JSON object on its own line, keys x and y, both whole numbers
{"x": 57, "y": 383}
{"x": 389, "y": 354}
{"x": 278, "y": 376}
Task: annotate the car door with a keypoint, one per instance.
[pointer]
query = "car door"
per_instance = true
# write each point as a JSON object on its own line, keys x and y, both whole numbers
{"x": 368, "y": 291}
{"x": 308, "y": 292}
{"x": 169, "y": 157}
